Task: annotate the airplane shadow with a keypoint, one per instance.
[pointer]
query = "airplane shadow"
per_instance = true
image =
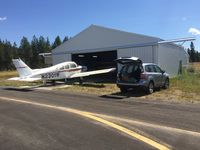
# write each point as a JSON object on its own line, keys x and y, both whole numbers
{"x": 93, "y": 85}
{"x": 23, "y": 89}
{"x": 19, "y": 89}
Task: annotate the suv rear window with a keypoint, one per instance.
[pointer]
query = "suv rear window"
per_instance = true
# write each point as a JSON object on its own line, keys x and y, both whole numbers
{"x": 130, "y": 68}
{"x": 131, "y": 72}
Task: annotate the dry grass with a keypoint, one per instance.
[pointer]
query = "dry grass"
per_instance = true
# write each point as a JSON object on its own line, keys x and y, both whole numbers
{"x": 93, "y": 88}
{"x": 8, "y": 74}
{"x": 174, "y": 94}
{"x": 196, "y": 66}
{"x": 4, "y": 75}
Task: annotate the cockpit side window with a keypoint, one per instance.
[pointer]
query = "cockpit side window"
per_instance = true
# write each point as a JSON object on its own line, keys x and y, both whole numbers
{"x": 72, "y": 65}
{"x": 66, "y": 66}
{"x": 61, "y": 68}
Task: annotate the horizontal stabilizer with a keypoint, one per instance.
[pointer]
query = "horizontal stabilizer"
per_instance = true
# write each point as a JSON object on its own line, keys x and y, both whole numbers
{"x": 24, "y": 79}
{"x": 88, "y": 73}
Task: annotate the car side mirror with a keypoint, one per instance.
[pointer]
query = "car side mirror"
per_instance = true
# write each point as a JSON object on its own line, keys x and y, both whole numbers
{"x": 163, "y": 71}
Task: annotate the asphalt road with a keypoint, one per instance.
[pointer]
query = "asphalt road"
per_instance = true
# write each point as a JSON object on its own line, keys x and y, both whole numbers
{"x": 31, "y": 119}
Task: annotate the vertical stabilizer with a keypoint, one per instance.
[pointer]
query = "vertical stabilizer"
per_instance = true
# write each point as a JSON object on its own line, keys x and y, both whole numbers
{"x": 22, "y": 68}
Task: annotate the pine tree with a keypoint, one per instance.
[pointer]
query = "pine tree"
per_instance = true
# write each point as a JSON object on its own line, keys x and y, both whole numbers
{"x": 42, "y": 49}
{"x": 192, "y": 55}
{"x": 7, "y": 55}
{"x": 197, "y": 58}
{"x": 57, "y": 42}
{"x": 189, "y": 53}
{"x": 28, "y": 51}
{"x": 35, "y": 50}
{"x": 25, "y": 51}
{"x": 15, "y": 50}
{"x": 48, "y": 46}
{"x": 65, "y": 39}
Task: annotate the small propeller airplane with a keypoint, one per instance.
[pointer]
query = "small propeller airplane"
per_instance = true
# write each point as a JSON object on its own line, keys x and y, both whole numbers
{"x": 65, "y": 70}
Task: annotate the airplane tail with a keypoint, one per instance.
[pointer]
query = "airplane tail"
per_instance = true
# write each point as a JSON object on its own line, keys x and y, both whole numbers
{"x": 22, "y": 68}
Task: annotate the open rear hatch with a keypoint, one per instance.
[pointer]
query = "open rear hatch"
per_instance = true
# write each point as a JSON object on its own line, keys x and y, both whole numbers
{"x": 125, "y": 60}
{"x": 131, "y": 69}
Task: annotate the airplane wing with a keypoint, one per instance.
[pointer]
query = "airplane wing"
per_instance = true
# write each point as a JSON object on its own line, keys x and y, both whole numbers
{"x": 24, "y": 79}
{"x": 88, "y": 73}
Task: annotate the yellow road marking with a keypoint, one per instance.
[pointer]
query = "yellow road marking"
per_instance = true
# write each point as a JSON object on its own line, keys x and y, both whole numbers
{"x": 149, "y": 125}
{"x": 93, "y": 117}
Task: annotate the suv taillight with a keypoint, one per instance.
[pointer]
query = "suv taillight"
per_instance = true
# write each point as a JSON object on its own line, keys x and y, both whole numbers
{"x": 143, "y": 76}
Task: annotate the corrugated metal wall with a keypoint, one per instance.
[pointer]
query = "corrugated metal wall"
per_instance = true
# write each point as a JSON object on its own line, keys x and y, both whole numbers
{"x": 48, "y": 61}
{"x": 169, "y": 56}
{"x": 59, "y": 58}
{"x": 146, "y": 54}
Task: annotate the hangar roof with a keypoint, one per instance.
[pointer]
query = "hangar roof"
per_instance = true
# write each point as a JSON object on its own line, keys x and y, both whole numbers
{"x": 97, "y": 38}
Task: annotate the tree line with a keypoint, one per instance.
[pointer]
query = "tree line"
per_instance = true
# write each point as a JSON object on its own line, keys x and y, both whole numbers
{"x": 28, "y": 51}
{"x": 194, "y": 55}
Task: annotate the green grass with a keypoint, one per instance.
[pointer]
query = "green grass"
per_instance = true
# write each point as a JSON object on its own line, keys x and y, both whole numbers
{"x": 187, "y": 82}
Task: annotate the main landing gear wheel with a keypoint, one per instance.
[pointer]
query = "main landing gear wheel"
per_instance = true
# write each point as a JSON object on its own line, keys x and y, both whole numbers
{"x": 81, "y": 80}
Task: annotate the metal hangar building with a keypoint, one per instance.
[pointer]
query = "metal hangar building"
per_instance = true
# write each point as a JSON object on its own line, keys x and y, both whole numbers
{"x": 97, "y": 47}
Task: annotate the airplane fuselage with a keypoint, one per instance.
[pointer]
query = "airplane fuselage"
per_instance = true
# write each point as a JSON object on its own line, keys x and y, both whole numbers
{"x": 59, "y": 71}
{"x": 65, "y": 70}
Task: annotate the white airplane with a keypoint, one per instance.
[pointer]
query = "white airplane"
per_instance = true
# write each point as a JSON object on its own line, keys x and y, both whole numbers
{"x": 65, "y": 70}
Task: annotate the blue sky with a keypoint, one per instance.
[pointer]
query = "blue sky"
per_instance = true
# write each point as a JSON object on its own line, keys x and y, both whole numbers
{"x": 167, "y": 19}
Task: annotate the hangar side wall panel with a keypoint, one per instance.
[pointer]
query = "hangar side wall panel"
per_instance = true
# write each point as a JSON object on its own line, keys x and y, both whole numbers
{"x": 59, "y": 58}
{"x": 146, "y": 54}
{"x": 169, "y": 57}
{"x": 155, "y": 54}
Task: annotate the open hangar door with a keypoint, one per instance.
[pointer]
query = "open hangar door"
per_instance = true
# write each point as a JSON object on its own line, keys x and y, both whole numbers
{"x": 96, "y": 61}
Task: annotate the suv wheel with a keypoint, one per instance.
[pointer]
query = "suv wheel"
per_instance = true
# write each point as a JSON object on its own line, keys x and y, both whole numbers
{"x": 166, "y": 84}
{"x": 123, "y": 90}
{"x": 150, "y": 88}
